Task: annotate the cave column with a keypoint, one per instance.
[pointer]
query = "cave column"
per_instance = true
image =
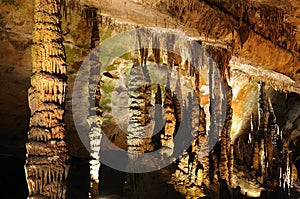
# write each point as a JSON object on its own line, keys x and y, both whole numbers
{"x": 95, "y": 111}
{"x": 47, "y": 164}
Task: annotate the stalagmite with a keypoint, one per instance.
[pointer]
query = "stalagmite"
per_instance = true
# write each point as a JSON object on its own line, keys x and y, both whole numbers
{"x": 46, "y": 148}
{"x": 94, "y": 119}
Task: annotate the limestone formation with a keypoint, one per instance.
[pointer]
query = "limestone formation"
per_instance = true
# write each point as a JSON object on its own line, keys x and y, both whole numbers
{"x": 47, "y": 163}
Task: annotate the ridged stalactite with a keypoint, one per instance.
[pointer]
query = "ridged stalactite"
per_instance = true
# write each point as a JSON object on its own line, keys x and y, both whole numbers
{"x": 141, "y": 126}
{"x": 225, "y": 135}
{"x": 202, "y": 138}
{"x": 158, "y": 118}
{"x": 47, "y": 164}
{"x": 192, "y": 177}
{"x": 169, "y": 129}
{"x": 95, "y": 38}
{"x": 219, "y": 72}
{"x": 169, "y": 106}
{"x": 177, "y": 101}
{"x": 192, "y": 170}
{"x": 268, "y": 21}
{"x": 138, "y": 137}
{"x": 271, "y": 155}
{"x": 95, "y": 113}
{"x": 269, "y": 141}
{"x": 69, "y": 6}
{"x": 215, "y": 127}
{"x": 203, "y": 155}
{"x": 149, "y": 122}
{"x": 255, "y": 159}
{"x": 263, "y": 121}
{"x": 89, "y": 14}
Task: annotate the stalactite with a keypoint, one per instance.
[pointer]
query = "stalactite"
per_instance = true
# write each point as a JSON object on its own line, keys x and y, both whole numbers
{"x": 47, "y": 163}
{"x": 215, "y": 129}
{"x": 89, "y": 14}
{"x": 156, "y": 48}
{"x": 262, "y": 157}
{"x": 265, "y": 109}
{"x": 271, "y": 140}
{"x": 221, "y": 57}
{"x": 138, "y": 139}
{"x": 158, "y": 118}
{"x": 191, "y": 172}
{"x": 167, "y": 136}
{"x": 141, "y": 126}
{"x": 204, "y": 152}
{"x": 68, "y": 6}
{"x": 255, "y": 164}
{"x": 294, "y": 175}
{"x": 95, "y": 38}
{"x": 287, "y": 174}
{"x": 177, "y": 101}
{"x": 231, "y": 165}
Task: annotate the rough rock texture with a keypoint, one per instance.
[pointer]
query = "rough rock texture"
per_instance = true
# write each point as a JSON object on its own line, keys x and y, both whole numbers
{"x": 95, "y": 116}
{"x": 262, "y": 36}
{"x": 47, "y": 163}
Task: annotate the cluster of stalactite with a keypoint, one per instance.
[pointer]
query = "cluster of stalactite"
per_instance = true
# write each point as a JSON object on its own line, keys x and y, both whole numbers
{"x": 192, "y": 173}
{"x": 271, "y": 156}
{"x": 220, "y": 90}
{"x": 263, "y": 19}
{"x": 95, "y": 111}
{"x": 177, "y": 114}
{"x": 69, "y": 6}
{"x": 89, "y": 14}
{"x": 198, "y": 12}
{"x": 199, "y": 167}
{"x": 47, "y": 163}
{"x": 223, "y": 21}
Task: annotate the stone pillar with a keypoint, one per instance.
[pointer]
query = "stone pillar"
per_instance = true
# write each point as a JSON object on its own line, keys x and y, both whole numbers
{"x": 47, "y": 164}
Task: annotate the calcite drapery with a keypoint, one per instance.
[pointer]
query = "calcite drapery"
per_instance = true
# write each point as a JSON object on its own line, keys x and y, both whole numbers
{"x": 47, "y": 162}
